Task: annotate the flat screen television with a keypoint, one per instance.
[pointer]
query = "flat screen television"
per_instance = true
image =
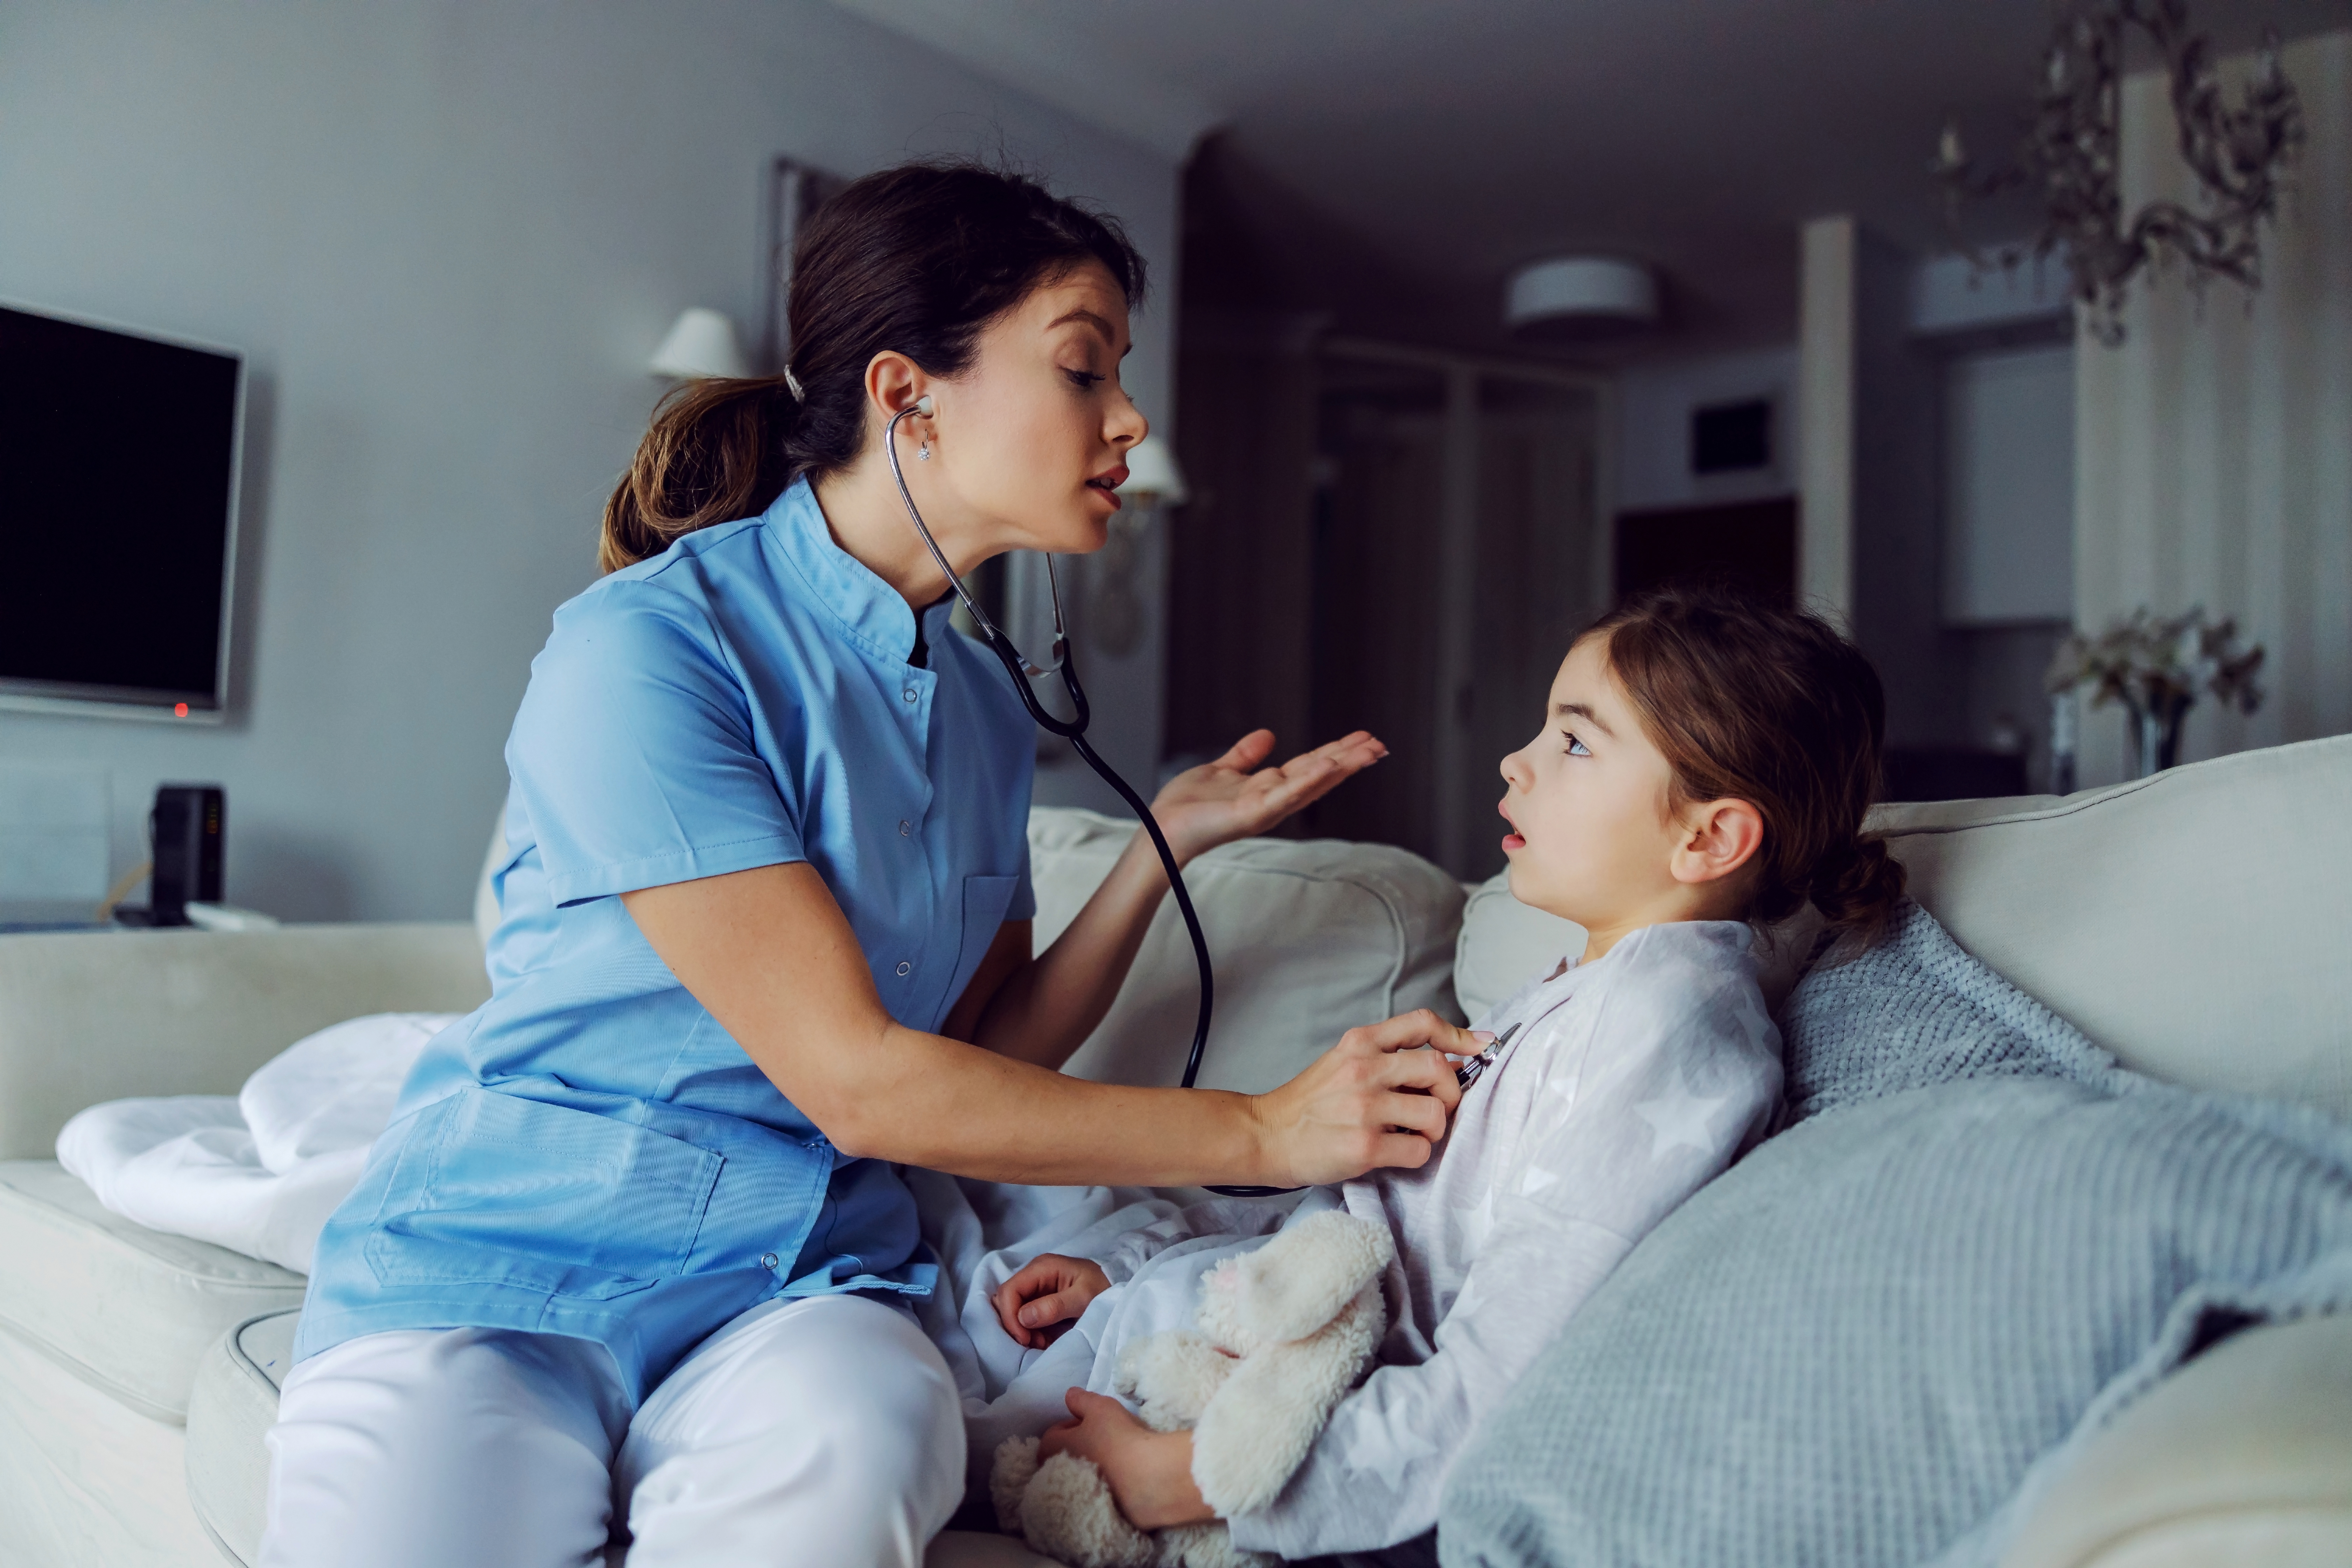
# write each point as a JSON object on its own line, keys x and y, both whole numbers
{"x": 119, "y": 455}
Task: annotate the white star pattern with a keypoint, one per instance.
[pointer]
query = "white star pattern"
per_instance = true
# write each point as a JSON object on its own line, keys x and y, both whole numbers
{"x": 1471, "y": 1225}
{"x": 1679, "y": 1118}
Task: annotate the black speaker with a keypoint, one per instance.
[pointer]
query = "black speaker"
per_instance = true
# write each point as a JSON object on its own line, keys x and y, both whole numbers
{"x": 189, "y": 823}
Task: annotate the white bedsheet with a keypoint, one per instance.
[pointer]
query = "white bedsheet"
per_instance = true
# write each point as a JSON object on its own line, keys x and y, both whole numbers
{"x": 260, "y": 1172}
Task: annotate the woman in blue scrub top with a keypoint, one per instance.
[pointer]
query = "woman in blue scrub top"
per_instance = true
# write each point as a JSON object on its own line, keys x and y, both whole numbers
{"x": 630, "y": 1265}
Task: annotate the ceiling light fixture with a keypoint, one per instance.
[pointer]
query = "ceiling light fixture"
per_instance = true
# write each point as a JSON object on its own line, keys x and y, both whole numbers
{"x": 1579, "y": 297}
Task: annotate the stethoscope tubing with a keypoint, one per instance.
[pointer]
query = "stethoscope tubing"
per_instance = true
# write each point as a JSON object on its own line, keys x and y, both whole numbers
{"x": 1074, "y": 731}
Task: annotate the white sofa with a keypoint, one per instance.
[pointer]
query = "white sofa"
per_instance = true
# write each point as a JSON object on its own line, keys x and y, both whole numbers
{"x": 2200, "y": 923}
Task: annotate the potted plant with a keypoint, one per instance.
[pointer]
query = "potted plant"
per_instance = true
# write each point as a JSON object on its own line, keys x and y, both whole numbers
{"x": 2158, "y": 667}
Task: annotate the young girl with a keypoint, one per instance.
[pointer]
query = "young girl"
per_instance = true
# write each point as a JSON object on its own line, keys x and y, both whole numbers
{"x": 1702, "y": 770}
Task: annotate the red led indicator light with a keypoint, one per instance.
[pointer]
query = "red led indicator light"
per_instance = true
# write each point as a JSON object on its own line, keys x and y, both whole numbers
{"x": 179, "y": 710}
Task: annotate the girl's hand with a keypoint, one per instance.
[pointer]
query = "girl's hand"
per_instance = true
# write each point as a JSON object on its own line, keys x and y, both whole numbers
{"x": 1373, "y": 1100}
{"x": 1235, "y": 796}
{"x": 1150, "y": 1473}
{"x": 1039, "y": 1303}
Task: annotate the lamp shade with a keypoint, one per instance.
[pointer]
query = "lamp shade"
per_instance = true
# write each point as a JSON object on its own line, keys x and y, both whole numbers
{"x": 701, "y": 343}
{"x": 1575, "y": 291}
{"x": 1152, "y": 476}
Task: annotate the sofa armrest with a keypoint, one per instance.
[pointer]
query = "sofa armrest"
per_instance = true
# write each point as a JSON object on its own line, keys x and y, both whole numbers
{"x": 2242, "y": 1456}
{"x": 98, "y": 1015}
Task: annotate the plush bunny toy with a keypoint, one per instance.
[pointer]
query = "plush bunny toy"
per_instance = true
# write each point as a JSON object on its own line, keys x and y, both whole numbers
{"x": 1283, "y": 1333}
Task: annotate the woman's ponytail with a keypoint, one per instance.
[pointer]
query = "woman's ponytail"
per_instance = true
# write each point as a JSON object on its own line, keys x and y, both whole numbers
{"x": 916, "y": 260}
{"x": 717, "y": 450}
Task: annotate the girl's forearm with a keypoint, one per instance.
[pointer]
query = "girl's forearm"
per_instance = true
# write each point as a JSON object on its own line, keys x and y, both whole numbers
{"x": 1047, "y": 1007}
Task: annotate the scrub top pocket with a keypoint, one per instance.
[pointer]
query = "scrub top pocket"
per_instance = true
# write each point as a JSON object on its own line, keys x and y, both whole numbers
{"x": 496, "y": 1189}
{"x": 985, "y": 899}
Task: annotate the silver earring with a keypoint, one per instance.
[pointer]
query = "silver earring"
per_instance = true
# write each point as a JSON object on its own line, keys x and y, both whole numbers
{"x": 923, "y": 453}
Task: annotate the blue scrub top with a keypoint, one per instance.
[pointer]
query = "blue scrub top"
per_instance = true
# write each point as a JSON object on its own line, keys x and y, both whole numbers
{"x": 589, "y": 1154}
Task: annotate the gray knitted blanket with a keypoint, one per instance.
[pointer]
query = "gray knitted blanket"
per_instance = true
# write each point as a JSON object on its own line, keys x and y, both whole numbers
{"x": 1876, "y": 1340}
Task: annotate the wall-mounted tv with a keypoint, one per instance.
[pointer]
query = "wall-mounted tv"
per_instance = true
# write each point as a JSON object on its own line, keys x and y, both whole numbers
{"x": 119, "y": 455}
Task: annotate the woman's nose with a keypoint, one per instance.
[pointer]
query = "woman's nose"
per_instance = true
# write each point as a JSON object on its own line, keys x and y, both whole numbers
{"x": 1127, "y": 424}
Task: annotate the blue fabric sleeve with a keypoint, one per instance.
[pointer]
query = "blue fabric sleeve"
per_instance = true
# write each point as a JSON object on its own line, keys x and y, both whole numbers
{"x": 634, "y": 752}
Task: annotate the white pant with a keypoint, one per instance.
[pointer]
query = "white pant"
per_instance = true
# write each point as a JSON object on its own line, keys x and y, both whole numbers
{"x": 821, "y": 1431}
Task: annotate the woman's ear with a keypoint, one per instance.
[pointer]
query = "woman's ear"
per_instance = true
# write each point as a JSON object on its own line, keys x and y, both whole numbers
{"x": 892, "y": 381}
{"x": 1719, "y": 837}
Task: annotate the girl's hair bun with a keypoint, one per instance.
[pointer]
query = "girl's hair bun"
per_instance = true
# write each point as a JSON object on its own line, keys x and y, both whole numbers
{"x": 1860, "y": 890}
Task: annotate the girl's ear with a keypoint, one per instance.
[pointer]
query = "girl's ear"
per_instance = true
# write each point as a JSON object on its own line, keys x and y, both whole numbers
{"x": 1719, "y": 837}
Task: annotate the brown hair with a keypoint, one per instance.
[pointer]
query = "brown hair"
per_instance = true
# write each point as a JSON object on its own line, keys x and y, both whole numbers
{"x": 917, "y": 259}
{"x": 1751, "y": 701}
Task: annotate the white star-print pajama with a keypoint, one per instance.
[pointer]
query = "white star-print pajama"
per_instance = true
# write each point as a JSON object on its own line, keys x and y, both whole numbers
{"x": 1633, "y": 1081}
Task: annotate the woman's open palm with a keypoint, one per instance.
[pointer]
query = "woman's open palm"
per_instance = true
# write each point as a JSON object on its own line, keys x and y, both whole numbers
{"x": 1238, "y": 795}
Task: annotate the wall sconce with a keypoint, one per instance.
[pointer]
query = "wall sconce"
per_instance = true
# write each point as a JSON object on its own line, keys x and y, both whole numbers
{"x": 1115, "y": 618}
{"x": 701, "y": 344}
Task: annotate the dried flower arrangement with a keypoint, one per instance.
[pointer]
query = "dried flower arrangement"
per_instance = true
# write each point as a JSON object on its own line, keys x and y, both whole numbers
{"x": 2158, "y": 667}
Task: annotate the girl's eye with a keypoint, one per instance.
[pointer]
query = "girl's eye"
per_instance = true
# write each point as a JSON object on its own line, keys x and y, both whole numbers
{"x": 1576, "y": 748}
{"x": 1082, "y": 378}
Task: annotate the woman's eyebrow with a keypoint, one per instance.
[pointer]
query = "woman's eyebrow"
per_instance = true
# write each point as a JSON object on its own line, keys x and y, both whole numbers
{"x": 1579, "y": 710}
{"x": 1090, "y": 319}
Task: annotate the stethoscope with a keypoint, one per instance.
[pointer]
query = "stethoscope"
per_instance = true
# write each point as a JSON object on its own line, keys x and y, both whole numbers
{"x": 1074, "y": 731}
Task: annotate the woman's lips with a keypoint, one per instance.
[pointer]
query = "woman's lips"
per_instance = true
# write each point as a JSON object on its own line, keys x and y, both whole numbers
{"x": 1513, "y": 841}
{"x": 1106, "y": 488}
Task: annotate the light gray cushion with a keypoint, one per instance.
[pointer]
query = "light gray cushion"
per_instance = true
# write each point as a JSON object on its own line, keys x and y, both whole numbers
{"x": 127, "y": 1309}
{"x": 1883, "y": 1335}
{"x": 1310, "y": 938}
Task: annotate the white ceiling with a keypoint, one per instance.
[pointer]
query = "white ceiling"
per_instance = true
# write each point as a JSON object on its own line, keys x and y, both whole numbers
{"x": 1393, "y": 160}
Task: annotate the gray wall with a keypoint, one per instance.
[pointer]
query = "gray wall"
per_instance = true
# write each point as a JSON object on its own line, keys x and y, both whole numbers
{"x": 449, "y": 235}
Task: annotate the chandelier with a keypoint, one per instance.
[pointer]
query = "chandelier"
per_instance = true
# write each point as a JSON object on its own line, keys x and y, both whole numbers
{"x": 2069, "y": 153}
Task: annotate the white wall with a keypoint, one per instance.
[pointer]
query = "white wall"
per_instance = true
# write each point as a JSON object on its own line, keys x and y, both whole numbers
{"x": 2214, "y": 447}
{"x": 2009, "y": 485}
{"x": 448, "y": 234}
{"x": 1655, "y": 401}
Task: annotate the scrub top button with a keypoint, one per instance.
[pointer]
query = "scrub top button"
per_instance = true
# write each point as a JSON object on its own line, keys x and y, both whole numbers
{"x": 767, "y": 1260}
{"x": 906, "y": 829}
{"x": 908, "y": 694}
{"x": 905, "y": 967}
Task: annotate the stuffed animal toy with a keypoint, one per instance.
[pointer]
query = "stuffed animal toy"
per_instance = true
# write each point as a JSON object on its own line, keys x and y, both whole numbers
{"x": 1282, "y": 1335}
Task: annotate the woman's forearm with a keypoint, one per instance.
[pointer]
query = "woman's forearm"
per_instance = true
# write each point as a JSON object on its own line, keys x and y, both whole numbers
{"x": 1047, "y": 1007}
{"x": 769, "y": 953}
{"x": 935, "y": 1102}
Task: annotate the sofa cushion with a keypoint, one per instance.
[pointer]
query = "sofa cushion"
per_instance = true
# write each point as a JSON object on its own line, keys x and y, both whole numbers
{"x": 1503, "y": 941}
{"x": 2242, "y": 1456}
{"x": 128, "y": 1309}
{"x": 2193, "y": 923}
{"x": 1310, "y": 938}
{"x": 231, "y": 1407}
